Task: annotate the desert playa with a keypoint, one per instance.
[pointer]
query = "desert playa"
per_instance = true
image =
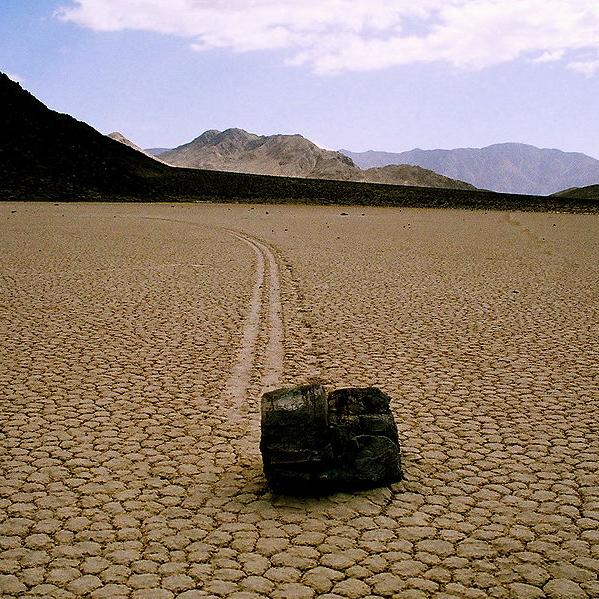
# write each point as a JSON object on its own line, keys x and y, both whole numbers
{"x": 136, "y": 341}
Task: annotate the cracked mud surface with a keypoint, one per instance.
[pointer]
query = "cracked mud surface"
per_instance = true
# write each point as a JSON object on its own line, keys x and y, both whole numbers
{"x": 128, "y": 468}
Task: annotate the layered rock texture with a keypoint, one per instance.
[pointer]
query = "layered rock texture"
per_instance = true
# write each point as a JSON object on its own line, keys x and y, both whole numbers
{"x": 313, "y": 442}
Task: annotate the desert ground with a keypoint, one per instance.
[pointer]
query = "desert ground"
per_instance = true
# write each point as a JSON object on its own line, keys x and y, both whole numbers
{"x": 136, "y": 340}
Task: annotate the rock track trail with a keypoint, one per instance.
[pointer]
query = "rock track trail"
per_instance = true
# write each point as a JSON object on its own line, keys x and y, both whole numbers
{"x": 268, "y": 318}
{"x": 267, "y": 276}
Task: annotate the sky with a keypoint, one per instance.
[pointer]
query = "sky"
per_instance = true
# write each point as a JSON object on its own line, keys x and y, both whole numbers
{"x": 356, "y": 74}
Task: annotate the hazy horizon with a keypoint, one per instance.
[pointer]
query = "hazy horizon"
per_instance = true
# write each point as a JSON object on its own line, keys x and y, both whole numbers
{"x": 383, "y": 76}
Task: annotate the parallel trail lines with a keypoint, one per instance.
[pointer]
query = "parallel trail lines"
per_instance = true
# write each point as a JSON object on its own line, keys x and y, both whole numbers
{"x": 267, "y": 271}
{"x": 240, "y": 377}
{"x": 273, "y": 366}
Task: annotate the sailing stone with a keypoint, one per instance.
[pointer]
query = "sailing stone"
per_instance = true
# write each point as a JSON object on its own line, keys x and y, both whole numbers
{"x": 313, "y": 442}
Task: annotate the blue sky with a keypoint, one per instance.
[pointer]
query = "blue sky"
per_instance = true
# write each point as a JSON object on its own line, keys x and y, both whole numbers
{"x": 356, "y": 74}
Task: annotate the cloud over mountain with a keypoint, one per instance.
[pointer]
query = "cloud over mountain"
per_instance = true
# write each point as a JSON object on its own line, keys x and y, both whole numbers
{"x": 360, "y": 35}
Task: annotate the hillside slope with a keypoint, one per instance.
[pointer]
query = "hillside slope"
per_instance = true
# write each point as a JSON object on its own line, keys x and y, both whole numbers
{"x": 43, "y": 150}
{"x": 590, "y": 192}
{"x": 507, "y": 168}
{"x": 405, "y": 174}
{"x": 120, "y": 137}
{"x": 236, "y": 150}
{"x": 156, "y": 151}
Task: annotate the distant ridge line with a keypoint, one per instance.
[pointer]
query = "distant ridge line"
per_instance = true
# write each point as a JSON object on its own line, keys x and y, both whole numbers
{"x": 504, "y": 167}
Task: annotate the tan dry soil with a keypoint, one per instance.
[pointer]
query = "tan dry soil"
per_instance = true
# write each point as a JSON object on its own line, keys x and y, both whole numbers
{"x": 135, "y": 341}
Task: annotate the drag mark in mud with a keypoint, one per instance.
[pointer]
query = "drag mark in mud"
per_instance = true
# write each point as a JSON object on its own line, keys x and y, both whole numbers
{"x": 514, "y": 222}
{"x": 239, "y": 380}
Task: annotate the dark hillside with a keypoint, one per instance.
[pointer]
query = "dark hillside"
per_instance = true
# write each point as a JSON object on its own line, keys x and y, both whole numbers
{"x": 219, "y": 186}
{"x": 45, "y": 155}
{"x": 589, "y": 193}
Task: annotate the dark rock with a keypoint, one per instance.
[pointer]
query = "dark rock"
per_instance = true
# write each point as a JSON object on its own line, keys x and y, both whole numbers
{"x": 312, "y": 442}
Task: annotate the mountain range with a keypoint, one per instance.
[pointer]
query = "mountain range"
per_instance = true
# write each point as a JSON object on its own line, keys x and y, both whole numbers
{"x": 236, "y": 150}
{"x": 45, "y": 155}
{"x": 507, "y": 167}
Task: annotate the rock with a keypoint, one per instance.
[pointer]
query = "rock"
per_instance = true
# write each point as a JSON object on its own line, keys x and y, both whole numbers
{"x": 312, "y": 442}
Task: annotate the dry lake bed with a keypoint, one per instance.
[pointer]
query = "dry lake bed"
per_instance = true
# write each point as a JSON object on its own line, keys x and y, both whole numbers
{"x": 135, "y": 341}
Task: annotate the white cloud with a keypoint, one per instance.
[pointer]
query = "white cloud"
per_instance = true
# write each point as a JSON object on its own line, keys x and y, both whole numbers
{"x": 354, "y": 35}
{"x": 587, "y": 67}
{"x": 550, "y": 56}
